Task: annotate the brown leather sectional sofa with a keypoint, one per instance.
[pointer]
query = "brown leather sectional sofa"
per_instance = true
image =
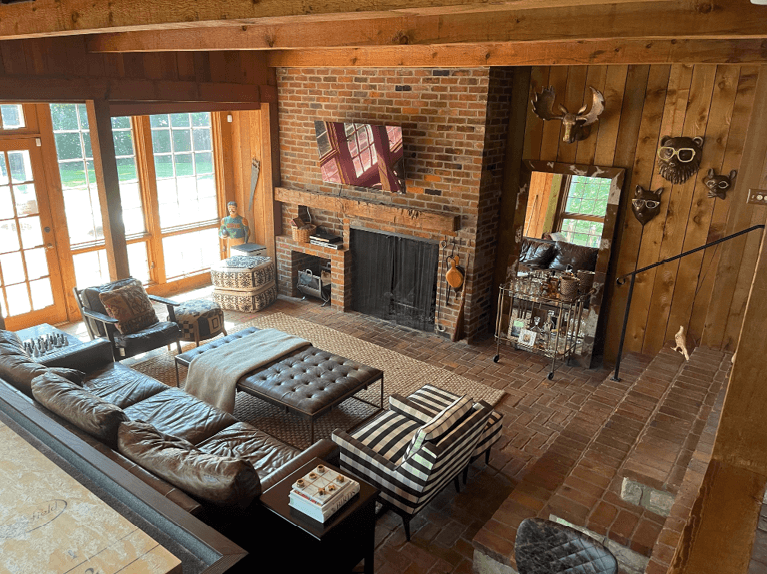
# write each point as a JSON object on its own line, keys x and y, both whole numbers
{"x": 556, "y": 255}
{"x": 203, "y": 459}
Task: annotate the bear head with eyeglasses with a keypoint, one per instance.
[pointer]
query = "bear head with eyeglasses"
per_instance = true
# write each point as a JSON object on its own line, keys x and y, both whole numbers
{"x": 679, "y": 157}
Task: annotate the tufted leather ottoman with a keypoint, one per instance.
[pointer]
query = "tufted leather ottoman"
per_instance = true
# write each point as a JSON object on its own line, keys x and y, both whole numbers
{"x": 200, "y": 320}
{"x": 308, "y": 382}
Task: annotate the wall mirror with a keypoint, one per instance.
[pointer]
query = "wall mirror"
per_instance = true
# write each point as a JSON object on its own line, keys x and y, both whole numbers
{"x": 570, "y": 216}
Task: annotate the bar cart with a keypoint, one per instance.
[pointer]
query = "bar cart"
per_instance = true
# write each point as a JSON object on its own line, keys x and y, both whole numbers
{"x": 535, "y": 317}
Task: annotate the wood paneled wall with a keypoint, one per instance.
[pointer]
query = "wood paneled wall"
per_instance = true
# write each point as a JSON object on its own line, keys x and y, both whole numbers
{"x": 705, "y": 292}
{"x": 68, "y": 57}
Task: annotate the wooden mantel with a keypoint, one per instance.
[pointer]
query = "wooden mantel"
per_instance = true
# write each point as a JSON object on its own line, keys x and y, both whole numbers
{"x": 438, "y": 222}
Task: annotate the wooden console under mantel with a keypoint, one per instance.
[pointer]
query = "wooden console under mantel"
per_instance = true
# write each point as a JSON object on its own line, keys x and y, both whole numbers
{"x": 421, "y": 219}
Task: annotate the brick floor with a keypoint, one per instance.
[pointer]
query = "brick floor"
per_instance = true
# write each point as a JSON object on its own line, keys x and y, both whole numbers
{"x": 549, "y": 456}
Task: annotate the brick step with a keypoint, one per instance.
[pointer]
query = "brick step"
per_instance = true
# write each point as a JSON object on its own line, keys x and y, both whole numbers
{"x": 660, "y": 457}
{"x": 538, "y": 492}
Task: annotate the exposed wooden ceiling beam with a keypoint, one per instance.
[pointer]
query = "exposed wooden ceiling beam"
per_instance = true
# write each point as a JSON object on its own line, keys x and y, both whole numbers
{"x": 530, "y": 54}
{"x": 512, "y": 20}
{"x": 58, "y": 89}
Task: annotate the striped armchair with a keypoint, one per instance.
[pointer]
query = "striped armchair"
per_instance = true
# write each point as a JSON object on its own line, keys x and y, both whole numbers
{"x": 411, "y": 454}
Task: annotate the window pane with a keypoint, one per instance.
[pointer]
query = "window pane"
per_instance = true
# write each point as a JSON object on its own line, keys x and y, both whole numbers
{"x": 91, "y": 268}
{"x": 64, "y": 117}
{"x": 123, "y": 142}
{"x": 161, "y": 141}
{"x": 6, "y": 203}
{"x": 18, "y": 299}
{"x": 121, "y": 122}
{"x": 203, "y": 163}
{"x": 12, "y": 116}
{"x": 163, "y": 166}
{"x": 184, "y": 165}
{"x": 190, "y": 252}
{"x": 68, "y": 146}
{"x": 182, "y": 140}
{"x": 137, "y": 261}
{"x": 126, "y": 169}
{"x": 21, "y": 166}
{"x": 31, "y": 232}
{"x": 9, "y": 238}
{"x": 3, "y": 171}
{"x": 202, "y": 140}
{"x": 12, "y": 267}
{"x": 72, "y": 174}
{"x": 201, "y": 119}
{"x": 162, "y": 121}
{"x": 180, "y": 120}
{"x": 37, "y": 263}
{"x": 42, "y": 296}
{"x": 26, "y": 199}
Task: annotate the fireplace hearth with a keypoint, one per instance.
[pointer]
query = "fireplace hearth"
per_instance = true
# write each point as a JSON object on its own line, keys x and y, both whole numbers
{"x": 395, "y": 278}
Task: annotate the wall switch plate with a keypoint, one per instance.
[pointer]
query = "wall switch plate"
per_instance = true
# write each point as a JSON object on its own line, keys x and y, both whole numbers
{"x": 757, "y": 196}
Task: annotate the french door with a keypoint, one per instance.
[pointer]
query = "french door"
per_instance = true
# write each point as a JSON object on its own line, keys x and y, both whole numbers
{"x": 30, "y": 281}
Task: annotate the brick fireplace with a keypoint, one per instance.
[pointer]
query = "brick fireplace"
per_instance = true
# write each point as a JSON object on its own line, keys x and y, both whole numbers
{"x": 454, "y": 124}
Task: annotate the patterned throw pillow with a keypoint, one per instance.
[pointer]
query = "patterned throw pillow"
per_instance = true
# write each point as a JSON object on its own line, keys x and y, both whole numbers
{"x": 440, "y": 424}
{"x": 131, "y": 306}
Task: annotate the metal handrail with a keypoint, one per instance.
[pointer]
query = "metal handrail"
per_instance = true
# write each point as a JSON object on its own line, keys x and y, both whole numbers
{"x": 622, "y": 280}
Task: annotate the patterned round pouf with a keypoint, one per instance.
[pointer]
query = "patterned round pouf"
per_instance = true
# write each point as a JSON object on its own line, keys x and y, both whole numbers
{"x": 200, "y": 320}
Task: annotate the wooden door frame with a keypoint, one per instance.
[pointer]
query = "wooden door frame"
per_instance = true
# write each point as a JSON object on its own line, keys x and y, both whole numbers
{"x": 55, "y": 313}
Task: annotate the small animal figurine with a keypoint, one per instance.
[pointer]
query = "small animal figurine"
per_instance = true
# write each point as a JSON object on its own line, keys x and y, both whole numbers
{"x": 719, "y": 185}
{"x": 679, "y": 158}
{"x": 576, "y": 125}
{"x": 646, "y": 204}
{"x": 681, "y": 343}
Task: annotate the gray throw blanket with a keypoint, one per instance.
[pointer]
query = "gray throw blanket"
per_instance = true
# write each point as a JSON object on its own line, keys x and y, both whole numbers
{"x": 213, "y": 375}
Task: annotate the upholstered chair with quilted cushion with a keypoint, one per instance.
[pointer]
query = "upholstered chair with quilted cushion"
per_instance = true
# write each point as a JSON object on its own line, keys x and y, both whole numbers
{"x": 122, "y": 311}
{"x": 411, "y": 457}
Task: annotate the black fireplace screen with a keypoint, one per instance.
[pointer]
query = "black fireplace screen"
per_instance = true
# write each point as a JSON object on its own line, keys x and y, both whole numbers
{"x": 395, "y": 278}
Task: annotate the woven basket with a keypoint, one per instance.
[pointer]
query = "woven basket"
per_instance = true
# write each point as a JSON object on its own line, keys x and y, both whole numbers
{"x": 301, "y": 234}
{"x": 568, "y": 287}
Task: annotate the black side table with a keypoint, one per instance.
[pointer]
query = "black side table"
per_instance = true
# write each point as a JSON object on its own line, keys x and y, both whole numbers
{"x": 336, "y": 545}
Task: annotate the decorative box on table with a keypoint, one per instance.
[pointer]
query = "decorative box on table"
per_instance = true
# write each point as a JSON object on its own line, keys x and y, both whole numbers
{"x": 322, "y": 492}
{"x": 244, "y": 283}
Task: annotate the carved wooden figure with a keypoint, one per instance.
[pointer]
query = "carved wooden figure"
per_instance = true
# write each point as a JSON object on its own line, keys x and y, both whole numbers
{"x": 679, "y": 158}
{"x": 681, "y": 343}
{"x": 719, "y": 185}
{"x": 576, "y": 125}
{"x": 646, "y": 204}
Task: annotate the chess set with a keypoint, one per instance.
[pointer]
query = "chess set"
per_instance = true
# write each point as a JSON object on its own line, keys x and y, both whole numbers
{"x": 45, "y": 344}
{"x": 322, "y": 492}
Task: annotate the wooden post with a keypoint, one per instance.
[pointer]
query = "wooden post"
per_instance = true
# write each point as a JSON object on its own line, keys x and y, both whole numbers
{"x": 511, "y": 219}
{"x": 107, "y": 180}
{"x": 720, "y": 530}
{"x": 270, "y": 176}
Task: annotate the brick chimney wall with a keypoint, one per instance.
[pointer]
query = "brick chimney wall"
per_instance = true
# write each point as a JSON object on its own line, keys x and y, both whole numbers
{"x": 454, "y": 124}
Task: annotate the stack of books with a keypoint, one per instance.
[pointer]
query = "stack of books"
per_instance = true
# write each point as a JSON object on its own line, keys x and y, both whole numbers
{"x": 322, "y": 492}
{"x": 325, "y": 239}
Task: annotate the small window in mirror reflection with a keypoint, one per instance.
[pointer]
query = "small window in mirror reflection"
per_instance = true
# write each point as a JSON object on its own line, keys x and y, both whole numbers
{"x": 581, "y": 220}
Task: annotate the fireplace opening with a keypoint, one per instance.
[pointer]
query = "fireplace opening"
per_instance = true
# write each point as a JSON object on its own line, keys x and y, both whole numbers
{"x": 395, "y": 278}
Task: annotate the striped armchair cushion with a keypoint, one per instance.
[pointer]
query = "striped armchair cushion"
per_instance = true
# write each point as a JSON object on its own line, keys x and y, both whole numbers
{"x": 388, "y": 434}
{"x": 429, "y": 400}
{"x": 442, "y": 423}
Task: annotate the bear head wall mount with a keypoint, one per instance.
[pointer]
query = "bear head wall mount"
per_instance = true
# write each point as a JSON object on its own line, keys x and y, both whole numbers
{"x": 576, "y": 125}
{"x": 679, "y": 157}
{"x": 719, "y": 185}
{"x": 646, "y": 204}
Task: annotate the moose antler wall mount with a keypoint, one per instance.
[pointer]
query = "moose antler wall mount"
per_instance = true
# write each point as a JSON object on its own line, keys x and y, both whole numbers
{"x": 576, "y": 125}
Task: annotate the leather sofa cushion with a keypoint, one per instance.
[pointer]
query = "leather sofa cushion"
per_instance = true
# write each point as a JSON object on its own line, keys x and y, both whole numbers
{"x": 177, "y": 413}
{"x": 536, "y": 254}
{"x": 579, "y": 256}
{"x": 131, "y": 306}
{"x": 244, "y": 441}
{"x": 222, "y": 480}
{"x": 85, "y": 410}
{"x": 122, "y": 386}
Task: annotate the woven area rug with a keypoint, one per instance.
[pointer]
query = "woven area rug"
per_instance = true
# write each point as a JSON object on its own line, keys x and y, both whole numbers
{"x": 402, "y": 375}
